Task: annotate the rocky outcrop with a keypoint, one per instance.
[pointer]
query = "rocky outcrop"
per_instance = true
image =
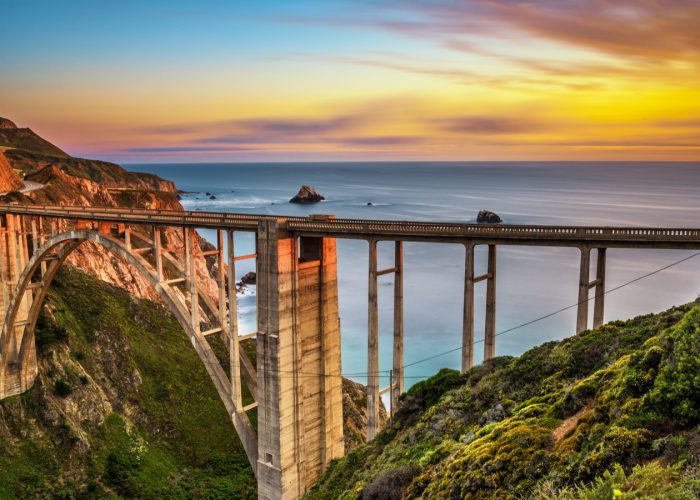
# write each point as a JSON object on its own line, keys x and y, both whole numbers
{"x": 355, "y": 414}
{"x": 487, "y": 217}
{"x": 9, "y": 180}
{"x": 307, "y": 194}
{"x": 248, "y": 278}
{"x": 75, "y": 181}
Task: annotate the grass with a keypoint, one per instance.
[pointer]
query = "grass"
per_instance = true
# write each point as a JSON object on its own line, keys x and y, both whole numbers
{"x": 168, "y": 434}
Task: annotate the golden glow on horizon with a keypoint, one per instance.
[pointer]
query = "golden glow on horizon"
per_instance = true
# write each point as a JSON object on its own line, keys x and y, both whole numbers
{"x": 539, "y": 93}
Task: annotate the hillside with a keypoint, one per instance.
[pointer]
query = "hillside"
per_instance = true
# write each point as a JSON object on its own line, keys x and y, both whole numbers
{"x": 76, "y": 181}
{"x": 122, "y": 406}
{"x": 613, "y": 409}
{"x": 14, "y": 137}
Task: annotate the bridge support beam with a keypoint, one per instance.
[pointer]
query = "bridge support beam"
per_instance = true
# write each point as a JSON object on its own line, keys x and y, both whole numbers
{"x": 490, "y": 324}
{"x": 583, "y": 288}
{"x": 372, "y": 345}
{"x": 599, "y": 304}
{"x": 300, "y": 427}
{"x": 17, "y": 377}
{"x": 397, "y": 382}
{"x": 468, "y": 310}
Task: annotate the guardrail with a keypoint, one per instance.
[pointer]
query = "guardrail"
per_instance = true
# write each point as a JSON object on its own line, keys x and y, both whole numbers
{"x": 360, "y": 227}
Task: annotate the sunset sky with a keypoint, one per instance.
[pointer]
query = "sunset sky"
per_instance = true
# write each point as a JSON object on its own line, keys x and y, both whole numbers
{"x": 181, "y": 81}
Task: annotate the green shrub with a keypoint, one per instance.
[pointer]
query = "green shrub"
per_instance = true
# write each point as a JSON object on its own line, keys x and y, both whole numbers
{"x": 62, "y": 388}
{"x": 676, "y": 391}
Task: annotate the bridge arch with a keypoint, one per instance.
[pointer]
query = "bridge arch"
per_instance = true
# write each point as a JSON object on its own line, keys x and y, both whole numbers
{"x": 49, "y": 257}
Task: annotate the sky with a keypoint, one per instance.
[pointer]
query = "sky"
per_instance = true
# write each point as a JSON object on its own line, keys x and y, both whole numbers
{"x": 333, "y": 80}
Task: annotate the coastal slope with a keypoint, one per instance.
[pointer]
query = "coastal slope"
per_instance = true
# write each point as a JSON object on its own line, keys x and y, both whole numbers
{"x": 615, "y": 408}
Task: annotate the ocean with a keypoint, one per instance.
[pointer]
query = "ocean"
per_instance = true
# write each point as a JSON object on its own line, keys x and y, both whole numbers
{"x": 531, "y": 281}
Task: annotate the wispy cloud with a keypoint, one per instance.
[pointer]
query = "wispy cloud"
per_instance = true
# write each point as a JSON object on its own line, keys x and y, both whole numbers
{"x": 181, "y": 149}
{"x": 488, "y": 125}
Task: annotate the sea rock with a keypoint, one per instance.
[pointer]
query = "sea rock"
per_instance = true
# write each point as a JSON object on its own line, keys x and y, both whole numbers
{"x": 248, "y": 278}
{"x": 487, "y": 217}
{"x": 212, "y": 197}
{"x": 307, "y": 194}
{"x": 370, "y": 204}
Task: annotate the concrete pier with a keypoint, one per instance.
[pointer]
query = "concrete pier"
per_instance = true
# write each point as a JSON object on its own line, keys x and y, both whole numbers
{"x": 300, "y": 422}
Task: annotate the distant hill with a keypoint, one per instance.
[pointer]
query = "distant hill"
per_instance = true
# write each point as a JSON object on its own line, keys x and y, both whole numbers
{"x": 14, "y": 137}
{"x": 29, "y": 154}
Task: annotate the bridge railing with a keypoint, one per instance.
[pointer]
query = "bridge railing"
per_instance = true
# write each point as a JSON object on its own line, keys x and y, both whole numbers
{"x": 359, "y": 226}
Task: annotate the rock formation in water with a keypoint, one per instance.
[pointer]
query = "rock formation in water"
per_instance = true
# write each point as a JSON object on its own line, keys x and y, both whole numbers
{"x": 307, "y": 194}
{"x": 487, "y": 217}
{"x": 248, "y": 278}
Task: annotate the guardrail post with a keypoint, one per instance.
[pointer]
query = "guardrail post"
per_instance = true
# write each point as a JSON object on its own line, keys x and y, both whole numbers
{"x": 599, "y": 304}
{"x": 372, "y": 345}
{"x": 468, "y": 310}
{"x": 583, "y": 288}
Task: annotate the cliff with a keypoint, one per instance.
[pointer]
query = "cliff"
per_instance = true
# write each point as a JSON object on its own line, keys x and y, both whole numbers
{"x": 76, "y": 181}
{"x": 9, "y": 180}
{"x": 613, "y": 412}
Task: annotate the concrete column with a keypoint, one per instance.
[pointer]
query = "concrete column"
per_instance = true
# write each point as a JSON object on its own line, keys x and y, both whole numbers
{"x": 599, "y": 304}
{"x": 397, "y": 366}
{"x": 583, "y": 288}
{"x": 194, "y": 297}
{"x": 298, "y": 354}
{"x": 372, "y": 346}
{"x": 468, "y": 310}
{"x": 490, "y": 325}
{"x": 332, "y": 401}
{"x": 187, "y": 253}
{"x": 157, "y": 252}
{"x": 232, "y": 327}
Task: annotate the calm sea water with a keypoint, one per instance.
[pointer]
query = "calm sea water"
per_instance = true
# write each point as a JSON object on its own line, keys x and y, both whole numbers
{"x": 531, "y": 281}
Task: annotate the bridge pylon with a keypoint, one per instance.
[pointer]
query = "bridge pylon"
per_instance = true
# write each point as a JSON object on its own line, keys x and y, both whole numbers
{"x": 300, "y": 417}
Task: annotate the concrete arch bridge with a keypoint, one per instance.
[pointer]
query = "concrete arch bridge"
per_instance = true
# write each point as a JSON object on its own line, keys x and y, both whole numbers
{"x": 296, "y": 382}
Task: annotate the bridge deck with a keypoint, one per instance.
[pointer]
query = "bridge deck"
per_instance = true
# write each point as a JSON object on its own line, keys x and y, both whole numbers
{"x": 438, "y": 232}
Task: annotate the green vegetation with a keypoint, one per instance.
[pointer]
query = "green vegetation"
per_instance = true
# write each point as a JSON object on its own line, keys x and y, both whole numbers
{"x": 122, "y": 407}
{"x": 613, "y": 412}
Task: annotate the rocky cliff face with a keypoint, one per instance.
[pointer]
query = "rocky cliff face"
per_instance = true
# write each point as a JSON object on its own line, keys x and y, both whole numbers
{"x": 76, "y": 181}
{"x": 9, "y": 180}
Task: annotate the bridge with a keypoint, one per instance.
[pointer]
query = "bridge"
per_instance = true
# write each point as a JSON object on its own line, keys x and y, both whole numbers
{"x": 296, "y": 380}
